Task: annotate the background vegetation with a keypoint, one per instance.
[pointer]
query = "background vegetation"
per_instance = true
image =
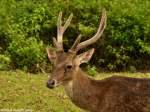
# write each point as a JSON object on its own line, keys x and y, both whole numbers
{"x": 27, "y": 28}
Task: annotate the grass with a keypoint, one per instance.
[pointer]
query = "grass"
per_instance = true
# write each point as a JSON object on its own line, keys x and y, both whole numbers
{"x": 19, "y": 90}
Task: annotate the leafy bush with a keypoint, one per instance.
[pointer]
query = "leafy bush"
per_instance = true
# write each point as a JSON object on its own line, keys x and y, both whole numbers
{"x": 27, "y": 27}
{"x": 92, "y": 71}
{"x": 4, "y": 62}
{"x": 29, "y": 53}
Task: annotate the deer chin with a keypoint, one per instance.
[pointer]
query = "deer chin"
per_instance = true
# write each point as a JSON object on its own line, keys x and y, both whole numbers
{"x": 58, "y": 84}
{"x": 62, "y": 83}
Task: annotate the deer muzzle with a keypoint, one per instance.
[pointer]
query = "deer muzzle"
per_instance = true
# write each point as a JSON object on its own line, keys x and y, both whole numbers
{"x": 51, "y": 83}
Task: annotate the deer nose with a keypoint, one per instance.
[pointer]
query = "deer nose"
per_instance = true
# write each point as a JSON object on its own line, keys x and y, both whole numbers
{"x": 51, "y": 83}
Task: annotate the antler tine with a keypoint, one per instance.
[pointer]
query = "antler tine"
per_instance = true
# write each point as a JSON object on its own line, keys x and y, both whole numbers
{"x": 55, "y": 42}
{"x": 61, "y": 29}
{"x": 100, "y": 30}
{"x": 67, "y": 22}
{"x": 73, "y": 48}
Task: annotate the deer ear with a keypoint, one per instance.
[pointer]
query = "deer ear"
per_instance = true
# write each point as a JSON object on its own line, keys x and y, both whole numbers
{"x": 86, "y": 56}
{"x": 51, "y": 54}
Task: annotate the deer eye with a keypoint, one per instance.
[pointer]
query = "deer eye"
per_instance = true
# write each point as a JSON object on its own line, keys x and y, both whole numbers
{"x": 69, "y": 66}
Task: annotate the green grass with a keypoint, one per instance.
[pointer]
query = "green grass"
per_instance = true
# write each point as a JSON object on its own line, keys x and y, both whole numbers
{"x": 19, "y": 90}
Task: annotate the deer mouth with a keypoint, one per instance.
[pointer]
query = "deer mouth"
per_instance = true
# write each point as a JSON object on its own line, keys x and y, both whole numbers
{"x": 50, "y": 87}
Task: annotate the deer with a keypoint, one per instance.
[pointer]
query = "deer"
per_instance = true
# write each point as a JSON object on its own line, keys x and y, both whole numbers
{"x": 111, "y": 94}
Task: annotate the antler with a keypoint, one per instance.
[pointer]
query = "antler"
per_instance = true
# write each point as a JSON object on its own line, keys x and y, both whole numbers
{"x": 60, "y": 31}
{"x": 77, "y": 46}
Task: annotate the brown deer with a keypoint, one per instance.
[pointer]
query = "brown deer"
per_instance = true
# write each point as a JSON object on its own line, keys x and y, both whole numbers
{"x": 113, "y": 94}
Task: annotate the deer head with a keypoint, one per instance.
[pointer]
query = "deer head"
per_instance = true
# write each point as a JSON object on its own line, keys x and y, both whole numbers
{"x": 66, "y": 64}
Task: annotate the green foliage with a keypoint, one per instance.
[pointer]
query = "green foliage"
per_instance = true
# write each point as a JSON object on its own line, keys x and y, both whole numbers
{"x": 27, "y": 27}
{"x": 4, "y": 62}
{"x": 132, "y": 69}
{"x": 29, "y": 53}
{"x": 92, "y": 71}
{"x": 126, "y": 39}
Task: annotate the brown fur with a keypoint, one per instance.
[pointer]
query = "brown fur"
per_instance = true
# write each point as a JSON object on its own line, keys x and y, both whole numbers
{"x": 114, "y": 94}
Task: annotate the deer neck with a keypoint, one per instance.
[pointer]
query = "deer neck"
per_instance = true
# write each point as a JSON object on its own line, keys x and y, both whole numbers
{"x": 80, "y": 80}
{"x": 81, "y": 89}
